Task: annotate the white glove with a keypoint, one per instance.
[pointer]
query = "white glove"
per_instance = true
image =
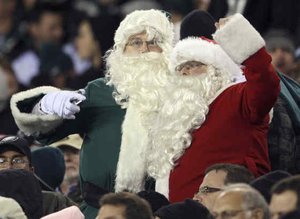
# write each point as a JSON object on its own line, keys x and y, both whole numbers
{"x": 62, "y": 103}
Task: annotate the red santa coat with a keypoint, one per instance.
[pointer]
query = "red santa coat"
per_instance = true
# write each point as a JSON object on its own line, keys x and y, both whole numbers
{"x": 235, "y": 130}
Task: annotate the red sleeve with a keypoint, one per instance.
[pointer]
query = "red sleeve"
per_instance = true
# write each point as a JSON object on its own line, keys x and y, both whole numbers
{"x": 262, "y": 86}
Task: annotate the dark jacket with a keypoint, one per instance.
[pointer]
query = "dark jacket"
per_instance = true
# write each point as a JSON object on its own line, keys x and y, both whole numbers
{"x": 22, "y": 186}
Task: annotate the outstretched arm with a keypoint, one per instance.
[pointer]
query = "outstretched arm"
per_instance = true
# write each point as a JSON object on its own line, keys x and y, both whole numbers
{"x": 53, "y": 107}
{"x": 245, "y": 46}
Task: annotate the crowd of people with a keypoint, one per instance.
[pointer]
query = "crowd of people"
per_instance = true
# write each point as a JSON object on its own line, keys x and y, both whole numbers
{"x": 149, "y": 109}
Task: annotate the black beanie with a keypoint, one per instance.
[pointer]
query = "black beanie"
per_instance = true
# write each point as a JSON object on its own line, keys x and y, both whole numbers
{"x": 197, "y": 23}
{"x": 188, "y": 209}
{"x": 155, "y": 199}
{"x": 265, "y": 182}
{"x": 49, "y": 166}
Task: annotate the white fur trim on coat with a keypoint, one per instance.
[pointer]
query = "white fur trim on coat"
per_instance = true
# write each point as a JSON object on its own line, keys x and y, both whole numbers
{"x": 209, "y": 53}
{"x": 239, "y": 39}
{"x": 31, "y": 123}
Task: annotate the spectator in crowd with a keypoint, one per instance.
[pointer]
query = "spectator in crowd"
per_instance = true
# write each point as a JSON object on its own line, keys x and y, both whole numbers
{"x": 11, "y": 209}
{"x": 45, "y": 28}
{"x": 8, "y": 86}
{"x": 205, "y": 102}
{"x": 95, "y": 37}
{"x": 264, "y": 183}
{"x": 284, "y": 132}
{"x": 124, "y": 205}
{"x": 282, "y": 49}
{"x": 155, "y": 199}
{"x": 216, "y": 178}
{"x": 10, "y": 29}
{"x": 285, "y": 196}
{"x": 56, "y": 68}
{"x": 240, "y": 201}
{"x": 49, "y": 166}
{"x": 70, "y": 146}
{"x": 181, "y": 210}
{"x": 15, "y": 154}
{"x": 197, "y": 23}
{"x": 177, "y": 9}
{"x": 22, "y": 186}
{"x": 137, "y": 65}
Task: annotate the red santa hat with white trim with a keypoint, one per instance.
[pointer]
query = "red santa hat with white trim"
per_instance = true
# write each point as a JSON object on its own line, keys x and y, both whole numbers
{"x": 206, "y": 51}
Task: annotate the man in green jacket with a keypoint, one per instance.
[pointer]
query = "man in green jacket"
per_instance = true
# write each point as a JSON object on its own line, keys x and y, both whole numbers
{"x": 137, "y": 69}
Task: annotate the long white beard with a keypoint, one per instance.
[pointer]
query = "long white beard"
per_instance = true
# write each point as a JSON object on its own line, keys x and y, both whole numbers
{"x": 140, "y": 83}
{"x": 184, "y": 110}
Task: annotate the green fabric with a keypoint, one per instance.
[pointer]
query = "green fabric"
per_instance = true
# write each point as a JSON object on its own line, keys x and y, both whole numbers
{"x": 100, "y": 120}
{"x": 290, "y": 92}
{"x": 88, "y": 211}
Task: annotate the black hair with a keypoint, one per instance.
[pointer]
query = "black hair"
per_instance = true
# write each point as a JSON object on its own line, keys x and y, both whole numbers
{"x": 235, "y": 173}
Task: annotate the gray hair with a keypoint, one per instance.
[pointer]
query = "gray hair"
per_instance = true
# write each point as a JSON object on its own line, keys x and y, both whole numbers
{"x": 252, "y": 199}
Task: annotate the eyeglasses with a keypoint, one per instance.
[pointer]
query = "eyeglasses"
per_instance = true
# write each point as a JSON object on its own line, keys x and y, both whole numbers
{"x": 228, "y": 214}
{"x": 207, "y": 189}
{"x": 16, "y": 162}
{"x": 189, "y": 65}
{"x": 138, "y": 43}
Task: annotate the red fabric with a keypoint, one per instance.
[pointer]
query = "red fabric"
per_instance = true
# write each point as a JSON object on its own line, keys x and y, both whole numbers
{"x": 235, "y": 130}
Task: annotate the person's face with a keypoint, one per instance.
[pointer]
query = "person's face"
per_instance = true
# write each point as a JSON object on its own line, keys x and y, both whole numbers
{"x": 49, "y": 28}
{"x": 72, "y": 162}
{"x": 14, "y": 160}
{"x": 111, "y": 212}
{"x": 191, "y": 68}
{"x": 85, "y": 42}
{"x": 283, "y": 60}
{"x": 282, "y": 203}
{"x": 138, "y": 43}
{"x": 210, "y": 188}
{"x": 229, "y": 205}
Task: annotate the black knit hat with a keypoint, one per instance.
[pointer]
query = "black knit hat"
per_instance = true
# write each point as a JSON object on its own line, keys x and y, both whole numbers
{"x": 155, "y": 199}
{"x": 188, "y": 209}
{"x": 264, "y": 183}
{"x": 49, "y": 166}
{"x": 197, "y": 23}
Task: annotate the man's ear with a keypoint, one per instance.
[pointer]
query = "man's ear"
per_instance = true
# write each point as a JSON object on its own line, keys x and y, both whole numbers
{"x": 32, "y": 169}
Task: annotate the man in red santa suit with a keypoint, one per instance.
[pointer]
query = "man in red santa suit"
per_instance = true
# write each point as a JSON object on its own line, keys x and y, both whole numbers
{"x": 210, "y": 117}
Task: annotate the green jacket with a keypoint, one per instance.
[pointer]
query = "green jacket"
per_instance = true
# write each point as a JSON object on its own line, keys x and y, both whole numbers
{"x": 99, "y": 120}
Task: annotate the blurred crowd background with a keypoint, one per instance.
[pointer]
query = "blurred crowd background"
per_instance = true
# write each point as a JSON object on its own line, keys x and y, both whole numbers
{"x": 61, "y": 42}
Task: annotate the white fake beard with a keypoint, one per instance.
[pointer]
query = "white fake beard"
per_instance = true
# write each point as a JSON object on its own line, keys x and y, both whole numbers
{"x": 185, "y": 108}
{"x": 139, "y": 79}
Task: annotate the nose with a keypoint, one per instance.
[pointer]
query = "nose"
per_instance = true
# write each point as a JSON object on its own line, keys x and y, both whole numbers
{"x": 185, "y": 70}
{"x": 144, "y": 48}
{"x": 197, "y": 198}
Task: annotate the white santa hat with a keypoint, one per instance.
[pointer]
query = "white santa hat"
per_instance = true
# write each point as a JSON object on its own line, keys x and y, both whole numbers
{"x": 206, "y": 51}
{"x": 138, "y": 21}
